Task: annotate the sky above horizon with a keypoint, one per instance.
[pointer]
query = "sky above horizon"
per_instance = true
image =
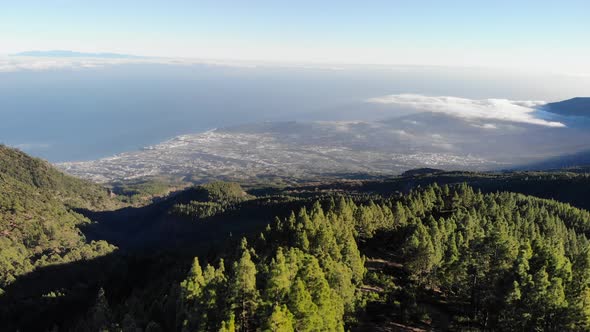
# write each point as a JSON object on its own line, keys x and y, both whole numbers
{"x": 547, "y": 36}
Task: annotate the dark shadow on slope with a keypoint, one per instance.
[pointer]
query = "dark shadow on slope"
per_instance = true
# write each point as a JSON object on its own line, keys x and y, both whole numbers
{"x": 62, "y": 295}
{"x": 120, "y": 227}
{"x": 151, "y": 228}
{"x": 157, "y": 248}
{"x": 29, "y": 305}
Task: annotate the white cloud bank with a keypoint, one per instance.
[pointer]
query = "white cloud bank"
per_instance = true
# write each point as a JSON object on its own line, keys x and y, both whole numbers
{"x": 14, "y": 63}
{"x": 29, "y": 63}
{"x": 486, "y": 109}
{"x": 17, "y": 63}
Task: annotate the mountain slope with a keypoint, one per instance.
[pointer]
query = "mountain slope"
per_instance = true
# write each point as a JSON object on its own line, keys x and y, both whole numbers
{"x": 37, "y": 224}
{"x": 41, "y": 175}
{"x": 422, "y": 250}
{"x": 422, "y": 242}
{"x": 579, "y": 106}
{"x": 354, "y": 255}
{"x": 568, "y": 161}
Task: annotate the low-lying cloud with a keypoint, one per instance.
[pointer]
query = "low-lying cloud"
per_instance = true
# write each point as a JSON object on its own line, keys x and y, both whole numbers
{"x": 13, "y": 63}
{"x": 30, "y": 63}
{"x": 484, "y": 109}
{"x": 17, "y": 63}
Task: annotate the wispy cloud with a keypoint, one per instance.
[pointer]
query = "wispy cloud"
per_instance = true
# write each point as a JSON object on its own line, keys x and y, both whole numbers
{"x": 31, "y": 63}
{"x": 12, "y": 63}
{"x": 55, "y": 60}
{"x": 485, "y": 126}
{"x": 486, "y": 109}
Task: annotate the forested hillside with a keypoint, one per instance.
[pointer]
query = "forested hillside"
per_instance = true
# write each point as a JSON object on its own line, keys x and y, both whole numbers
{"x": 41, "y": 175}
{"x": 38, "y": 223}
{"x": 449, "y": 258}
{"x": 566, "y": 185}
{"x": 425, "y": 251}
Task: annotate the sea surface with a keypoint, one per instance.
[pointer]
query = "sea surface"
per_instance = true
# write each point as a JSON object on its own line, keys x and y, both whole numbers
{"x": 84, "y": 114}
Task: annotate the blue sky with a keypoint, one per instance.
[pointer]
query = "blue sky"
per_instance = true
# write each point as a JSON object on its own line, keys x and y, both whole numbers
{"x": 529, "y": 35}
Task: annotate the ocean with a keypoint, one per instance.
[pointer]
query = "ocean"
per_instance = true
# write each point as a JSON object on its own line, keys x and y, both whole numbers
{"x": 84, "y": 114}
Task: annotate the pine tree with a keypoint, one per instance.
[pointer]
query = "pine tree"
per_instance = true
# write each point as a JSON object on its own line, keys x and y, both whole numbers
{"x": 280, "y": 320}
{"x": 279, "y": 278}
{"x": 228, "y": 325}
{"x": 100, "y": 318}
{"x": 192, "y": 286}
{"x": 304, "y": 310}
{"x": 330, "y": 305}
{"x": 244, "y": 290}
{"x": 352, "y": 258}
{"x": 301, "y": 240}
{"x": 128, "y": 324}
{"x": 420, "y": 251}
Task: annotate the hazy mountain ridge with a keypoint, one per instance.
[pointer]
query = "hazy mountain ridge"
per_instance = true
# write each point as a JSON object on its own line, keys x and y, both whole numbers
{"x": 579, "y": 106}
